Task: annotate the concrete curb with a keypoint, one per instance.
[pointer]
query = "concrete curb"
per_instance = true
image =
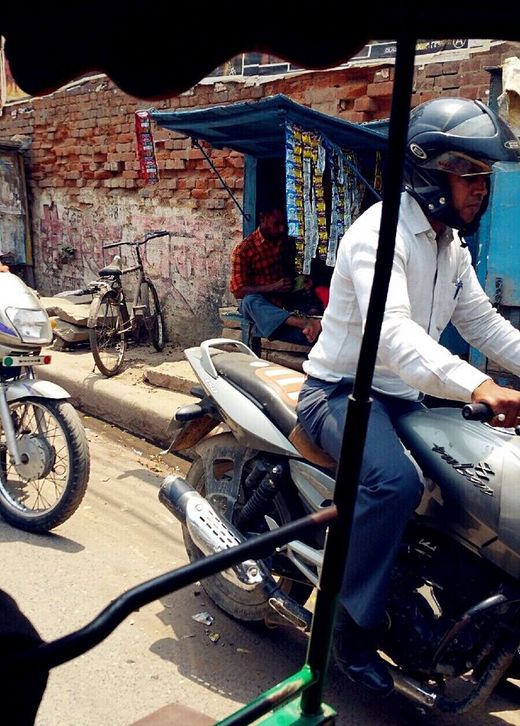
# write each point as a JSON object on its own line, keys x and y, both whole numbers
{"x": 135, "y": 406}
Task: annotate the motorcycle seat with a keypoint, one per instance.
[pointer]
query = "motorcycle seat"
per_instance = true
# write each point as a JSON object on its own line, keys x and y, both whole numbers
{"x": 275, "y": 388}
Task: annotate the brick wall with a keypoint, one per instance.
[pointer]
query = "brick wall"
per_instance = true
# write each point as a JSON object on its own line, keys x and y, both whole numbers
{"x": 84, "y": 188}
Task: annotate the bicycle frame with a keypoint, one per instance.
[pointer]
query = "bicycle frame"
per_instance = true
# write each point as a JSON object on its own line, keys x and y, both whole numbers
{"x": 109, "y": 338}
{"x": 140, "y": 297}
{"x": 137, "y": 300}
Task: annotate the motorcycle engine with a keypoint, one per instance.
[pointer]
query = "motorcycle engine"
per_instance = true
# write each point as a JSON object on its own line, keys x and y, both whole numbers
{"x": 435, "y": 581}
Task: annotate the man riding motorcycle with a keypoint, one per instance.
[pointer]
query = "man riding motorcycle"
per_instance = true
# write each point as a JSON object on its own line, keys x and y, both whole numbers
{"x": 452, "y": 145}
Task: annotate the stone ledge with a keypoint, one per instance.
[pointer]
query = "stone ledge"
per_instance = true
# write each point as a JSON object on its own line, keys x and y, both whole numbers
{"x": 177, "y": 376}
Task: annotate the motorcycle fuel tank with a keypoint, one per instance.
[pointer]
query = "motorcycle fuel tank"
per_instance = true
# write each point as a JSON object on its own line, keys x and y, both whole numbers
{"x": 472, "y": 475}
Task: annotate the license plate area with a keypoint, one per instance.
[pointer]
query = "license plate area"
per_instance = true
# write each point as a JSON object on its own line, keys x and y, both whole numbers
{"x": 9, "y": 361}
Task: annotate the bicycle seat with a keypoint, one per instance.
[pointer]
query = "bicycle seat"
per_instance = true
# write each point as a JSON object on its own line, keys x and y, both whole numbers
{"x": 113, "y": 269}
{"x": 110, "y": 271}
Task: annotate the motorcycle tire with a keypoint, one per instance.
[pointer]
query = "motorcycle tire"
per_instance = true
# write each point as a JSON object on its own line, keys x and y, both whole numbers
{"x": 244, "y": 605}
{"x": 108, "y": 343}
{"x": 49, "y": 485}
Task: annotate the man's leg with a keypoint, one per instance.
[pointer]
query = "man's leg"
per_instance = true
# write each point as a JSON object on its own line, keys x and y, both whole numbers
{"x": 389, "y": 490}
{"x": 266, "y": 317}
{"x": 270, "y": 321}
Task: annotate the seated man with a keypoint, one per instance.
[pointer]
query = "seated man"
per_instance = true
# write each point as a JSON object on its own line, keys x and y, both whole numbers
{"x": 263, "y": 279}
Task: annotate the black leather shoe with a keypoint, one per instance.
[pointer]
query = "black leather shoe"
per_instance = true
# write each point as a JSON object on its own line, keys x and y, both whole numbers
{"x": 356, "y": 656}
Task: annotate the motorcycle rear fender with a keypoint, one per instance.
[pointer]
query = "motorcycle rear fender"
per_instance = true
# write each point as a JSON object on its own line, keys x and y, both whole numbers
{"x": 101, "y": 290}
{"x": 189, "y": 434}
{"x": 34, "y": 388}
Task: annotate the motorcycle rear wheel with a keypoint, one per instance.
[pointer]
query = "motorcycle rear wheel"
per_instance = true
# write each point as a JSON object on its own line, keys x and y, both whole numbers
{"x": 49, "y": 485}
{"x": 250, "y": 605}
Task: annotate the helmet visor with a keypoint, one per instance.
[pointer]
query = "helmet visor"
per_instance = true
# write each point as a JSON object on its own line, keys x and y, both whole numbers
{"x": 458, "y": 163}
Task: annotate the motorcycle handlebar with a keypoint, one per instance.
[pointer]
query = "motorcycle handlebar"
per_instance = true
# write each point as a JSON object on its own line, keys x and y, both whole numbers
{"x": 477, "y": 412}
{"x": 483, "y": 412}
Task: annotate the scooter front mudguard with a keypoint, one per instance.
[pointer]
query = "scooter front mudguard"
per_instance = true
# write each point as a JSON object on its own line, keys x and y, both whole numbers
{"x": 16, "y": 390}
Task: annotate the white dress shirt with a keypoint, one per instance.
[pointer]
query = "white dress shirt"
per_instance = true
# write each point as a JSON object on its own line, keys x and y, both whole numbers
{"x": 432, "y": 282}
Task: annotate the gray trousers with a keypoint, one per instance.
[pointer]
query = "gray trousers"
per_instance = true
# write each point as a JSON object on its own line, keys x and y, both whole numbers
{"x": 389, "y": 491}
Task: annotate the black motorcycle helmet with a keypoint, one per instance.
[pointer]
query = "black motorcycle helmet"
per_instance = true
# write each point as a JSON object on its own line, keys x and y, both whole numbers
{"x": 454, "y": 135}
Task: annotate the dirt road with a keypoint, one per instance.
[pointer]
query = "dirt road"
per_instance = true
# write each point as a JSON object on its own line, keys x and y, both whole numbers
{"x": 122, "y": 536}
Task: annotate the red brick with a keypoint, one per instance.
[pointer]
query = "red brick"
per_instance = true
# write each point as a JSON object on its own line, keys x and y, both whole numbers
{"x": 365, "y": 104}
{"x": 380, "y": 89}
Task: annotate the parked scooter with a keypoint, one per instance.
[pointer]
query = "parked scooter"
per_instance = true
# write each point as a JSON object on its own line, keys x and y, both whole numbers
{"x": 454, "y": 603}
{"x": 44, "y": 453}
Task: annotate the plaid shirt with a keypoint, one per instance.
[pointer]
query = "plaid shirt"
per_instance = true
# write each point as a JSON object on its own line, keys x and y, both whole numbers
{"x": 256, "y": 261}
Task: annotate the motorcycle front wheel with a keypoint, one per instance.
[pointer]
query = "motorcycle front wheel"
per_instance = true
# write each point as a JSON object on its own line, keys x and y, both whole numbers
{"x": 247, "y": 605}
{"x": 49, "y": 484}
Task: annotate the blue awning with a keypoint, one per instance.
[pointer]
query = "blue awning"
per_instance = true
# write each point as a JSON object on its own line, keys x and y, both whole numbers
{"x": 257, "y": 128}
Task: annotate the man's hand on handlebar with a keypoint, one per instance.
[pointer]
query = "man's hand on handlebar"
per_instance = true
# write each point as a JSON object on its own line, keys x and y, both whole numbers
{"x": 504, "y": 402}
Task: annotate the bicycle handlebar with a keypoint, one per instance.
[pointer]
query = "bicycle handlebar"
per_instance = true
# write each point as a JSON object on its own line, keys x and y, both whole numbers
{"x": 137, "y": 243}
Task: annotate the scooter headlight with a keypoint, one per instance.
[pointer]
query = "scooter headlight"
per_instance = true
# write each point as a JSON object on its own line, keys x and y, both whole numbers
{"x": 33, "y": 326}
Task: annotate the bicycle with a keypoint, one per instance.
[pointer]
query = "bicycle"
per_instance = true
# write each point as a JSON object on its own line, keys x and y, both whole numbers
{"x": 112, "y": 321}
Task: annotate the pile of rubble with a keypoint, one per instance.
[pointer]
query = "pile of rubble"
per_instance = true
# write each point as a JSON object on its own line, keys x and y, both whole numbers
{"x": 69, "y": 318}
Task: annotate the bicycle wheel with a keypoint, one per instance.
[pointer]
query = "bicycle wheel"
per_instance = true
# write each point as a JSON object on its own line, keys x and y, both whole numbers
{"x": 153, "y": 317}
{"x": 108, "y": 342}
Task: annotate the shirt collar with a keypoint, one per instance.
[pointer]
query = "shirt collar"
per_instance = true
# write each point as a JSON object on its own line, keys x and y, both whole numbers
{"x": 418, "y": 221}
{"x": 260, "y": 240}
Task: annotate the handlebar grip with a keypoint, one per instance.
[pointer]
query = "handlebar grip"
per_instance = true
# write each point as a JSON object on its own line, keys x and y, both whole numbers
{"x": 114, "y": 244}
{"x": 157, "y": 233}
{"x": 153, "y": 235}
{"x": 477, "y": 412}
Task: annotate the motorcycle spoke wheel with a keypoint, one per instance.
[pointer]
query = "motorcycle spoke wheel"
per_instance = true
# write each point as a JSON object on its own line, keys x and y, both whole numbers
{"x": 108, "y": 342}
{"x": 49, "y": 484}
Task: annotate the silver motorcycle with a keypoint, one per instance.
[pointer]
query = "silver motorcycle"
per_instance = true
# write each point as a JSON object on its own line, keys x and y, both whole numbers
{"x": 44, "y": 453}
{"x": 454, "y": 600}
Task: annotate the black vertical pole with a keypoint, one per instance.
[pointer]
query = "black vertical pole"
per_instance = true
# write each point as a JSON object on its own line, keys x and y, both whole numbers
{"x": 349, "y": 464}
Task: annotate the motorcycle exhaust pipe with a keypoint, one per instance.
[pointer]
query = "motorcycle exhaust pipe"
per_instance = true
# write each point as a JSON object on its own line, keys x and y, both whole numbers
{"x": 412, "y": 689}
{"x": 209, "y": 532}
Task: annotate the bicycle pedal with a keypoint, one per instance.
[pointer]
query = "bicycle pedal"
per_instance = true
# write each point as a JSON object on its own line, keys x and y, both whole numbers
{"x": 139, "y": 309}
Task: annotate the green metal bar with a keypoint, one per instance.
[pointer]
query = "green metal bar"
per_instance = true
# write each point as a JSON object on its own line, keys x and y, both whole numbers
{"x": 283, "y": 694}
{"x": 349, "y": 465}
